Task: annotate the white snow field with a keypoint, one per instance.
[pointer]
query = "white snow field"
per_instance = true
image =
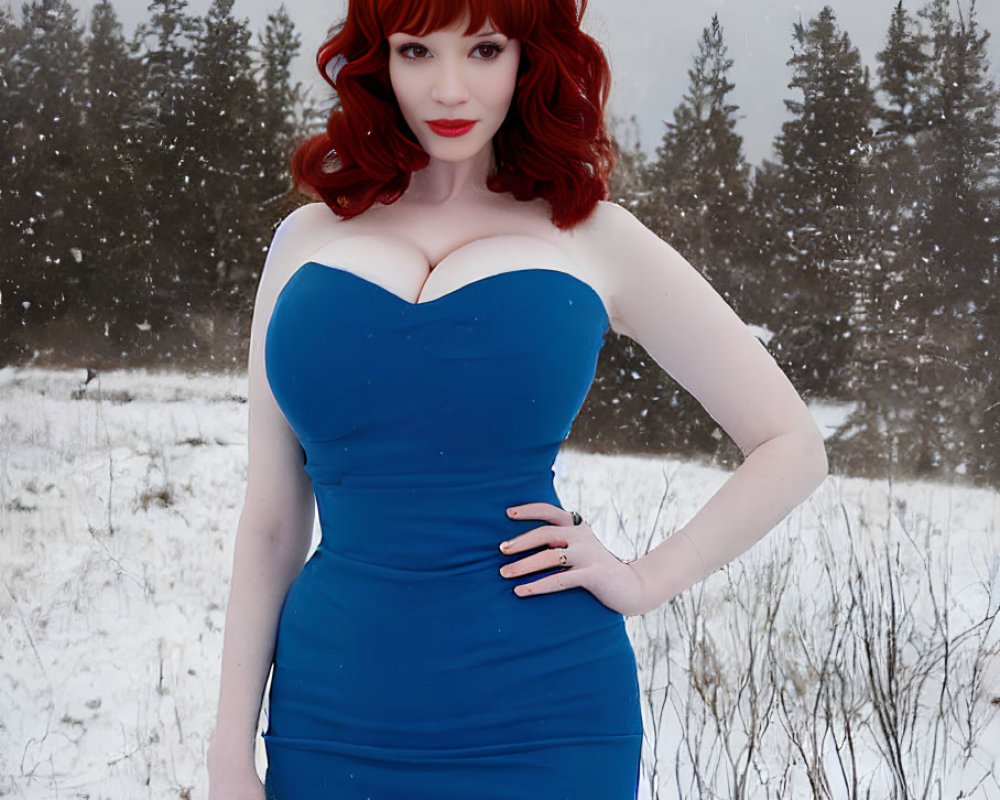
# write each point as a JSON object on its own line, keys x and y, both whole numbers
{"x": 852, "y": 653}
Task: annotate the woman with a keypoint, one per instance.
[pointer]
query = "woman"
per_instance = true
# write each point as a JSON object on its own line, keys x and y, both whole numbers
{"x": 421, "y": 342}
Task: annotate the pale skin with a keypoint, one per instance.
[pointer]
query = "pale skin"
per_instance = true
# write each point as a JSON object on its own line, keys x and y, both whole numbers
{"x": 446, "y": 231}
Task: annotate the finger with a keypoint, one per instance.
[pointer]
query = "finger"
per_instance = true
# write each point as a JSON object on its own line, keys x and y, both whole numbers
{"x": 546, "y": 559}
{"x": 543, "y": 511}
{"x": 567, "y": 579}
{"x": 551, "y": 535}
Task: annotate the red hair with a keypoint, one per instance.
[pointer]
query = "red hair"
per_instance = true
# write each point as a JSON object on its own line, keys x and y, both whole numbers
{"x": 553, "y": 144}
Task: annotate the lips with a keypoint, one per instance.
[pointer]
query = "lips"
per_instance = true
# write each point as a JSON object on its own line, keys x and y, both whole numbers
{"x": 451, "y": 127}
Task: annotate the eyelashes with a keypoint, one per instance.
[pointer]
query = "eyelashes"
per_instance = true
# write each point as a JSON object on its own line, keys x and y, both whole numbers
{"x": 417, "y": 52}
{"x": 496, "y": 48}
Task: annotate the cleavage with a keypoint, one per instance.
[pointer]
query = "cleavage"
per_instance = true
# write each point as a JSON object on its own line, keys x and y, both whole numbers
{"x": 400, "y": 267}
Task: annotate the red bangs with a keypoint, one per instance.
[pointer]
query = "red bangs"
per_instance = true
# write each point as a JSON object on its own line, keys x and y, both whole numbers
{"x": 516, "y": 19}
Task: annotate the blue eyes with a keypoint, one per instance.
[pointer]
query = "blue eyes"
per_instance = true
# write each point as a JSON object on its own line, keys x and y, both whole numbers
{"x": 487, "y": 51}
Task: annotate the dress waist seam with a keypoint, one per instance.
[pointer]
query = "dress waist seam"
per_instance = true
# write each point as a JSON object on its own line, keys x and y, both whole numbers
{"x": 424, "y": 754}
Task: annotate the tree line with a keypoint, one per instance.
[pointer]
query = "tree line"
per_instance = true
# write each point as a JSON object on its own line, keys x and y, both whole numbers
{"x": 865, "y": 253}
{"x": 141, "y": 179}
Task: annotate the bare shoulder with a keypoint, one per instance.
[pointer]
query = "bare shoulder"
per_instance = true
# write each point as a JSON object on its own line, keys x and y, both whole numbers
{"x": 616, "y": 235}
{"x": 632, "y": 260}
{"x": 609, "y": 218}
{"x": 296, "y": 236}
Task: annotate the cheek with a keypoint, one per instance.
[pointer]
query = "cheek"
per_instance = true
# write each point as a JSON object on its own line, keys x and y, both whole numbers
{"x": 401, "y": 89}
{"x": 502, "y": 94}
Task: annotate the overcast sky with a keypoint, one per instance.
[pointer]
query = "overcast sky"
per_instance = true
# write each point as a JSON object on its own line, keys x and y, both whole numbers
{"x": 650, "y": 44}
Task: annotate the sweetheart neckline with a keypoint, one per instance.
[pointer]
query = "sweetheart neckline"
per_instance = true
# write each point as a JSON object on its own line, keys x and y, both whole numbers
{"x": 448, "y": 295}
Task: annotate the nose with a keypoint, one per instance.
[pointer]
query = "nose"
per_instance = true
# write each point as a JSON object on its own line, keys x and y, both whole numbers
{"x": 450, "y": 85}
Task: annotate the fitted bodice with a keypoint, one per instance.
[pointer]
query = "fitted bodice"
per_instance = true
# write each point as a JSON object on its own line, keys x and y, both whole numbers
{"x": 475, "y": 388}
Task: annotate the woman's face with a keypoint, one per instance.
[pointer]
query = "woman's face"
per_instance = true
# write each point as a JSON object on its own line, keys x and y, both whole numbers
{"x": 454, "y": 90}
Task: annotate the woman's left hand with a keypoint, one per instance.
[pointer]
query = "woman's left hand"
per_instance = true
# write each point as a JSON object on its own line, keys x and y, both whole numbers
{"x": 588, "y": 563}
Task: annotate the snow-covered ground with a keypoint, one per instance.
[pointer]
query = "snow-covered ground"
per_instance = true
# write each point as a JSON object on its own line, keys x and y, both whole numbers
{"x": 118, "y": 504}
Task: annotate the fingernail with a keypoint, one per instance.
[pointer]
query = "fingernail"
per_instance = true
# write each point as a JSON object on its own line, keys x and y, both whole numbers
{"x": 504, "y": 545}
{"x": 512, "y": 512}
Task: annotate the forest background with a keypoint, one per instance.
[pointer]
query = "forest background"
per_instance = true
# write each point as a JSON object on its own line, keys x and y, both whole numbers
{"x": 864, "y": 254}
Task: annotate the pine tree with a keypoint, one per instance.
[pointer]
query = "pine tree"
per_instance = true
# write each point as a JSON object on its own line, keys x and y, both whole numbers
{"x": 11, "y": 159}
{"x": 820, "y": 223}
{"x": 903, "y": 74}
{"x": 698, "y": 181}
{"x": 960, "y": 148}
{"x": 278, "y": 46}
{"x": 110, "y": 245}
{"x": 229, "y": 137}
{"x": 42, "y": 109}
{"x": 280, "y": 99}
{"x": 879, "y": 364}
{"x": 165, "y": 175}
{"x": 954, "y": 305}
{"x": 882, "y": 353}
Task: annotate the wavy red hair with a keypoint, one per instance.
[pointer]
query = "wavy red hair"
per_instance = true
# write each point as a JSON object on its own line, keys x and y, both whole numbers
{"x": 553, "y": 144}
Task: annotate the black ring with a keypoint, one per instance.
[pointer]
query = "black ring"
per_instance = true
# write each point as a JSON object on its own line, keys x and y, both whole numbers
{"x": 577, "y": 519}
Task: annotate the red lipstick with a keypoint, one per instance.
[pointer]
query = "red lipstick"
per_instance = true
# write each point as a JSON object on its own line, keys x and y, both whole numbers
{"x": 451, "y": 127}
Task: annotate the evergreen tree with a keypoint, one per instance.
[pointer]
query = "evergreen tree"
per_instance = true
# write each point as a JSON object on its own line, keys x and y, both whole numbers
{"x": 111, "y": 244}
{"x": 955, "y": 305}
{"x": 230, "y": 139}
{"x": 903, "y": 75}
{"x": 277, "y": 48}
{"x": 959, "y": 150}
{"x": 42, "y": 109}
{"x": 882, "y": 354}
{"x": 698, "y": 182}
{"x": 822, "y": 205}
{"x": 11, "y": 146}
{"x": 165, "y": 174}
{"x": 278, "y": 130}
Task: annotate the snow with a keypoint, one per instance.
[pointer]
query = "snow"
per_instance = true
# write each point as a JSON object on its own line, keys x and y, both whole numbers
{"x": 118, "y": 503}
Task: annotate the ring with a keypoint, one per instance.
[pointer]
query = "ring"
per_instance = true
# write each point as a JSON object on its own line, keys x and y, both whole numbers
{"x": 577, "y": 519}
{"x": 562, "y": 558}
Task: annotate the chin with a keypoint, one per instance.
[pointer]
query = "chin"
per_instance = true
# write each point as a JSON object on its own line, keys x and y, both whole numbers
{"x": 453, "y": 154}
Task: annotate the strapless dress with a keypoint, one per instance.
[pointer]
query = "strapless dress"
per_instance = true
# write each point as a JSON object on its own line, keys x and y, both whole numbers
{"x": 405, "y": 666}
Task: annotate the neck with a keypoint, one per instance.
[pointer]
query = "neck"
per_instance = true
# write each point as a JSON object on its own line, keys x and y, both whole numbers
{"x": 448, "y": 181}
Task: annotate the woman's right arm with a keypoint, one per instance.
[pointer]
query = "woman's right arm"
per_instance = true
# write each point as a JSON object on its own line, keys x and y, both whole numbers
{"x": 273, "y": 535}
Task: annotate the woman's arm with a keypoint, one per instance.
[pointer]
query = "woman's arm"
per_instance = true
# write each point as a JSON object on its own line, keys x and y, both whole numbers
{"x": 660, "y": 300}
{"x": 274, "y": 531}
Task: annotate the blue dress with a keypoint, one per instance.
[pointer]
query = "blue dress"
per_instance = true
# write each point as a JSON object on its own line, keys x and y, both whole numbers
{"x": 405, "y": 666}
